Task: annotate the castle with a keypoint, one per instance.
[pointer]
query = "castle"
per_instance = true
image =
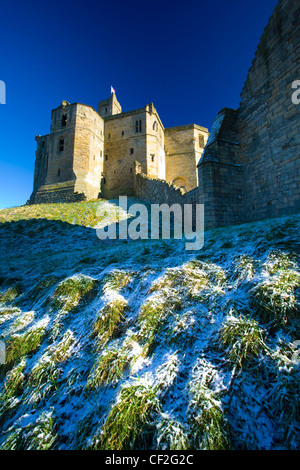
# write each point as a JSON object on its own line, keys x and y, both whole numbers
{"x": 90, "y": 154}
{"x": 246, "y": 169}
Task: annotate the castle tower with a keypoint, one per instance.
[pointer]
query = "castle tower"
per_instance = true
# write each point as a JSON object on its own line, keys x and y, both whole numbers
{"x": 109, "y": 107}
{"x": 69, "y": 160}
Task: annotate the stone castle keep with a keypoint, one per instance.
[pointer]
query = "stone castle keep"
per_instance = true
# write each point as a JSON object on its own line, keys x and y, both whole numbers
{"x": 90, "y": 154}
{"x": 246, "y": 169}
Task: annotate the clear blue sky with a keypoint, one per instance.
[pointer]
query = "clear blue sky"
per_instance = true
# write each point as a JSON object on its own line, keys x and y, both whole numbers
{"x": 190, "y": 58}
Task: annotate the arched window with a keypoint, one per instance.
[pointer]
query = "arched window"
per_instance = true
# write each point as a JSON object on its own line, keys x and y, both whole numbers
{"x": 155, "y": 126}
{"x": 180, "y": 182}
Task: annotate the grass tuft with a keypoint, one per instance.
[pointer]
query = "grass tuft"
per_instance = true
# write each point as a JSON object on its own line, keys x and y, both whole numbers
{"x": 37, "y": 435}
{"x": 19, "y": 345}
{"x": 243, "y": 338}
{"x": 171, "y": 434}
{"x": 128, "y": 418}
{"x": 109, "y": 368}
{"x": 276, "y": 299}
{"x": 109, "y": 320}
{"x": 70, "y": 292}
{"x": 209, "y": 428}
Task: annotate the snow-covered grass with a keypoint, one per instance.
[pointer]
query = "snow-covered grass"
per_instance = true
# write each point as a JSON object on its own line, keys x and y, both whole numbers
{"x": 141, "y": 344}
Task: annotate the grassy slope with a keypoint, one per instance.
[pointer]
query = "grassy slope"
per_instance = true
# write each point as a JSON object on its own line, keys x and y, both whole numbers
{"x": 116, "y": 345}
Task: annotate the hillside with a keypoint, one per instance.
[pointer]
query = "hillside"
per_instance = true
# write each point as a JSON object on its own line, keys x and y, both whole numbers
{"x": 141, "y": 344}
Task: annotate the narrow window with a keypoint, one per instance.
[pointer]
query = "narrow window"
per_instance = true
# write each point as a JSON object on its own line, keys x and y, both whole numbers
{"x": 64, "y": 120}
{"x": 155, "y": 126}
{"x": 140, "y": 126}
{"x": 131, "y": 151}
{"x": 106, "y": 157}
{"x": 105, "y": 110}
{"x": 130, "y": 170}
{"x": 94, "y": 157}
{"x": 109, "y": 136}
{"x": 100, "y": 153}
{"x": 136, "y": 126}
{"x": 201, "y": 141}
{"x": 61, "y": 144}
{"x": 123, "y": 133}
{"x": 152, "y": 158}
{"x": 58, "y": 172}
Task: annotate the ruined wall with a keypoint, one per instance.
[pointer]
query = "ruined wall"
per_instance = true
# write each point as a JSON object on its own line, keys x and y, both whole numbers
{"x": 268, "y": 121}
{"x": 184, "y": 146}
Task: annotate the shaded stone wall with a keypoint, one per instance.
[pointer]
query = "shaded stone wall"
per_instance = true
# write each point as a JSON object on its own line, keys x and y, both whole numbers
{"x": 220, "y": 173}
{"x": 250, "y": 168}
{"x": 268, "y": 121}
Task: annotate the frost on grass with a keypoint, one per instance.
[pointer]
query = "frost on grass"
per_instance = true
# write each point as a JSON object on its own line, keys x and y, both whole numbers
{"x": 129, "y": 418}
{"x": 171, "y": 434}
{"x": 36, "y": 435}
{"x": 109, "y": 320}
{"x": 242, "y": 338}
{"x": 151, "y": 320}
{"x": 117, "y": 279}
{"x": 210, "y": 430}
{"x": 285, "y": 398}
{"x": 12, "y": 388}
{"x": 195, "y": 280}
{"x": 214, "y": 334}
{"x": 109, "y": 368}
{"x": 276, "y": 298}
{"x": 10, "y": 294}
{"x": 70, "y": 292}
{"x": 19, "y": 345}
{"x": 44, "y": 375}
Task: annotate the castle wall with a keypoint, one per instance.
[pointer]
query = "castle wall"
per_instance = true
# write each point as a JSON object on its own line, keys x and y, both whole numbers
{"x": 41, "y": 161}
{"x": 268, "y": 121}
{"x": 184, "y": 146}
{"x": 220, "y": 183}
{"x": 60, "y": 162}
{"x": 135, "y": 135}
{"x": 88, "y": 152}
{"x": 156, "y": 165}
{"x": 122, "y": 146}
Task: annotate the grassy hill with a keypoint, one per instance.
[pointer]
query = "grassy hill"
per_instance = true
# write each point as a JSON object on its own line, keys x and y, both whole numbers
{"x": 141, "y": 344}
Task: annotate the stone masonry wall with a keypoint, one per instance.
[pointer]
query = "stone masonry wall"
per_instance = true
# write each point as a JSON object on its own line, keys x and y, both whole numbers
{"x": 184, "y": 146}
{"x": 220, "y": 173}
{"x": 88, "y": 151}
{"x": 268, "y": 121}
